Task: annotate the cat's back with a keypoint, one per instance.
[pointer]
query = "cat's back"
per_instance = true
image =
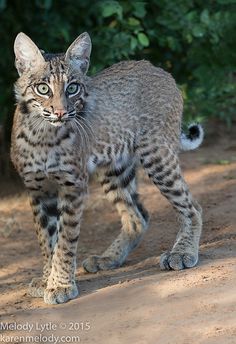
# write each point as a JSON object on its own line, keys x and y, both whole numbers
{"x": 132, "y": 88}
{"x": 136, "y": 83}
{"x": 134, "y": 73}
{"x": 130, "y": 70}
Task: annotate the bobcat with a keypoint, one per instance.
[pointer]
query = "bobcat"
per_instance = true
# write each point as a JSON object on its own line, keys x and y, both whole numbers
{"x": 67, "y": 125}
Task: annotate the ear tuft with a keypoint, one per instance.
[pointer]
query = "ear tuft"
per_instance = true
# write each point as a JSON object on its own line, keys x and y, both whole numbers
{"x": 78, "y": 53}
{"x": 28, "y": 55}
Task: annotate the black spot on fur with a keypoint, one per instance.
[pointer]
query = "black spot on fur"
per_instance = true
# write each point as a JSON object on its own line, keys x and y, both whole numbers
{"x": 65, "y": 136}
{"x": 169, "y": 183}
{"x": 39, "y": 179}
{"x": 29, "y": 163}
{"x": 24, "y": 108}
{"x": 143, "y": 211}
{"x": 70, "y": 223}
{"x": 51, "y": 209}
{"x": 109, "y": 151}
{"x": 52, "y": 165}
{"x": 35, "y": 212}
{"x": 159, "y": 168}
{"x": 147, "y": 153}
{"x": 70, "y": 198}
{"x": 67, "y": 183}
{"x": 125, "y": 182}
{"x": 178, "y": 205}
{"x": 35, "y": 201}
{"x": 69, "y": 254}
{"x": 119, "y": 199}
{"x": 66, "y": 209}
{"x": 95, "y": 160}
{"x": 23, "y": 136}
{"x": 116, "y": 172}
{"x": 105, "y": 181}
{"x": 176, "y": 192}
{"x": 74, "y": 239}
{"x": 191, "y": 215}
{"x": 111, "y": 188}
{"x": 30, "y": 100}
{"x": 34, "y": 188}
{"x": 43, "y": 221}
{"x": 52, "y": 229}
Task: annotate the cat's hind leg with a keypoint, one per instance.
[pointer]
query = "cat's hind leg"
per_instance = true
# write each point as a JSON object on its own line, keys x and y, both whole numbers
{"x": 119, "y": 186}
{"x": 162, "y": 166}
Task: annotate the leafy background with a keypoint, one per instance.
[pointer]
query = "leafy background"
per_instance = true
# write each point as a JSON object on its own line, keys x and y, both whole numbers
{"x": 192, "y": 39}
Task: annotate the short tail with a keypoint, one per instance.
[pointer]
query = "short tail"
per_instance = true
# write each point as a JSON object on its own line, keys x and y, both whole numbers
{"x": 193, "y": 138}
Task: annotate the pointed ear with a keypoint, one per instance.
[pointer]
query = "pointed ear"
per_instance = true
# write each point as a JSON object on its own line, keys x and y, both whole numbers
{"x": 78, "y": 53}
{"x": 28, "y": 55}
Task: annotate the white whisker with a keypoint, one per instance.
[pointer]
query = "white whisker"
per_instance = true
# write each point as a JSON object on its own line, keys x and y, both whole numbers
{"x": 83, "y": 133}
{"x": 86, "y": 124}
{"x": 83, "y": 130}
{"x": 78, "y": 132}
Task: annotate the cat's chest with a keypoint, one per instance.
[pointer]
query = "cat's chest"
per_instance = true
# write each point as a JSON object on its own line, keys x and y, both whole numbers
{"x": 51, "y": 159}
{"x": 48, "y": 156}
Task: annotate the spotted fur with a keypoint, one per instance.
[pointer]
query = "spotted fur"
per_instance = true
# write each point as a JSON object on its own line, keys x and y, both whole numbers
{"x": 126, "y": 116}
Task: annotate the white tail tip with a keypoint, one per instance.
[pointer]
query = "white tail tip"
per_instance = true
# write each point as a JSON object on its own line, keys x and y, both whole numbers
{"x": 193, "y": 138}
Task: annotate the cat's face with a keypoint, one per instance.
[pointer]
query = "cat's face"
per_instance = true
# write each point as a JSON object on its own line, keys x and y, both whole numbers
{"x": 51, "y": 86}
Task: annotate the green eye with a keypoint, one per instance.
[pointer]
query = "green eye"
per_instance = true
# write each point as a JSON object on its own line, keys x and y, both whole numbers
{"x": 72, "y": 88}
{"x": 42, "y": 88}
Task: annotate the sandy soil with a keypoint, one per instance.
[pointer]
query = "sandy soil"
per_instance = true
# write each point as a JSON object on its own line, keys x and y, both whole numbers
{"x": 137, "y": 303}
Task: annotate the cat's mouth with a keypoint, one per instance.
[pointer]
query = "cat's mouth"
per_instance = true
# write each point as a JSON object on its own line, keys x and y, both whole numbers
{"x": 58, "y": 122}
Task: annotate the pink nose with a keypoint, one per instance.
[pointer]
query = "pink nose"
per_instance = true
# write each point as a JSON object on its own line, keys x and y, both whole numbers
{"x": 59, "y": 113}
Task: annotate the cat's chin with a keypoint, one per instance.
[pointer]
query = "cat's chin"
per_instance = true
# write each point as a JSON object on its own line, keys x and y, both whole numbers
{"x": 57, "y": 123}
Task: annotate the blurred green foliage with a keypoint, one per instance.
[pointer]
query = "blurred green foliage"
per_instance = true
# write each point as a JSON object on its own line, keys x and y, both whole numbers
{"x": 192, "y": 39}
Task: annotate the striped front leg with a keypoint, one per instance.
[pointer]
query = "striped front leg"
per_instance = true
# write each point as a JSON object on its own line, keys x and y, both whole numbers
{"x": 45, "y": 211}
{"x": 61, "y": 285}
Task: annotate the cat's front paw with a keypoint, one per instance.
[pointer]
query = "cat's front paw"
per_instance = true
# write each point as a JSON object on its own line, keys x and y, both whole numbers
{"x": 178, "y": 260}
{"x": 60, "y": 294}
{"x": 37, "y": 287}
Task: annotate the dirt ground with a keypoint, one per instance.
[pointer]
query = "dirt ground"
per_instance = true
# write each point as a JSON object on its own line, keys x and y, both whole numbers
{"x": 137, "y": 303}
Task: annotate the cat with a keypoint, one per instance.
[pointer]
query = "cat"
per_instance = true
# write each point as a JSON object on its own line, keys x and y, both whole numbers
{"x": 68, "y": 125}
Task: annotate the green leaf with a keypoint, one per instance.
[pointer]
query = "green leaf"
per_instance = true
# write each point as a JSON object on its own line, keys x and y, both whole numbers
{"x": 143, "y": 39}
{"x": 191, "y": 16}
{"x": 133, "y": 21}
{"x": 198, "y": 31}
{"x": 189, "y": 38}
{"x": 133, "y": 43}
{"x": 214, "y": 38}
{"x": 109, "y": 8}
{"x": 139, "y": 9}
{"x": 205, "y": 19}
{"x": 172, "y": 43}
